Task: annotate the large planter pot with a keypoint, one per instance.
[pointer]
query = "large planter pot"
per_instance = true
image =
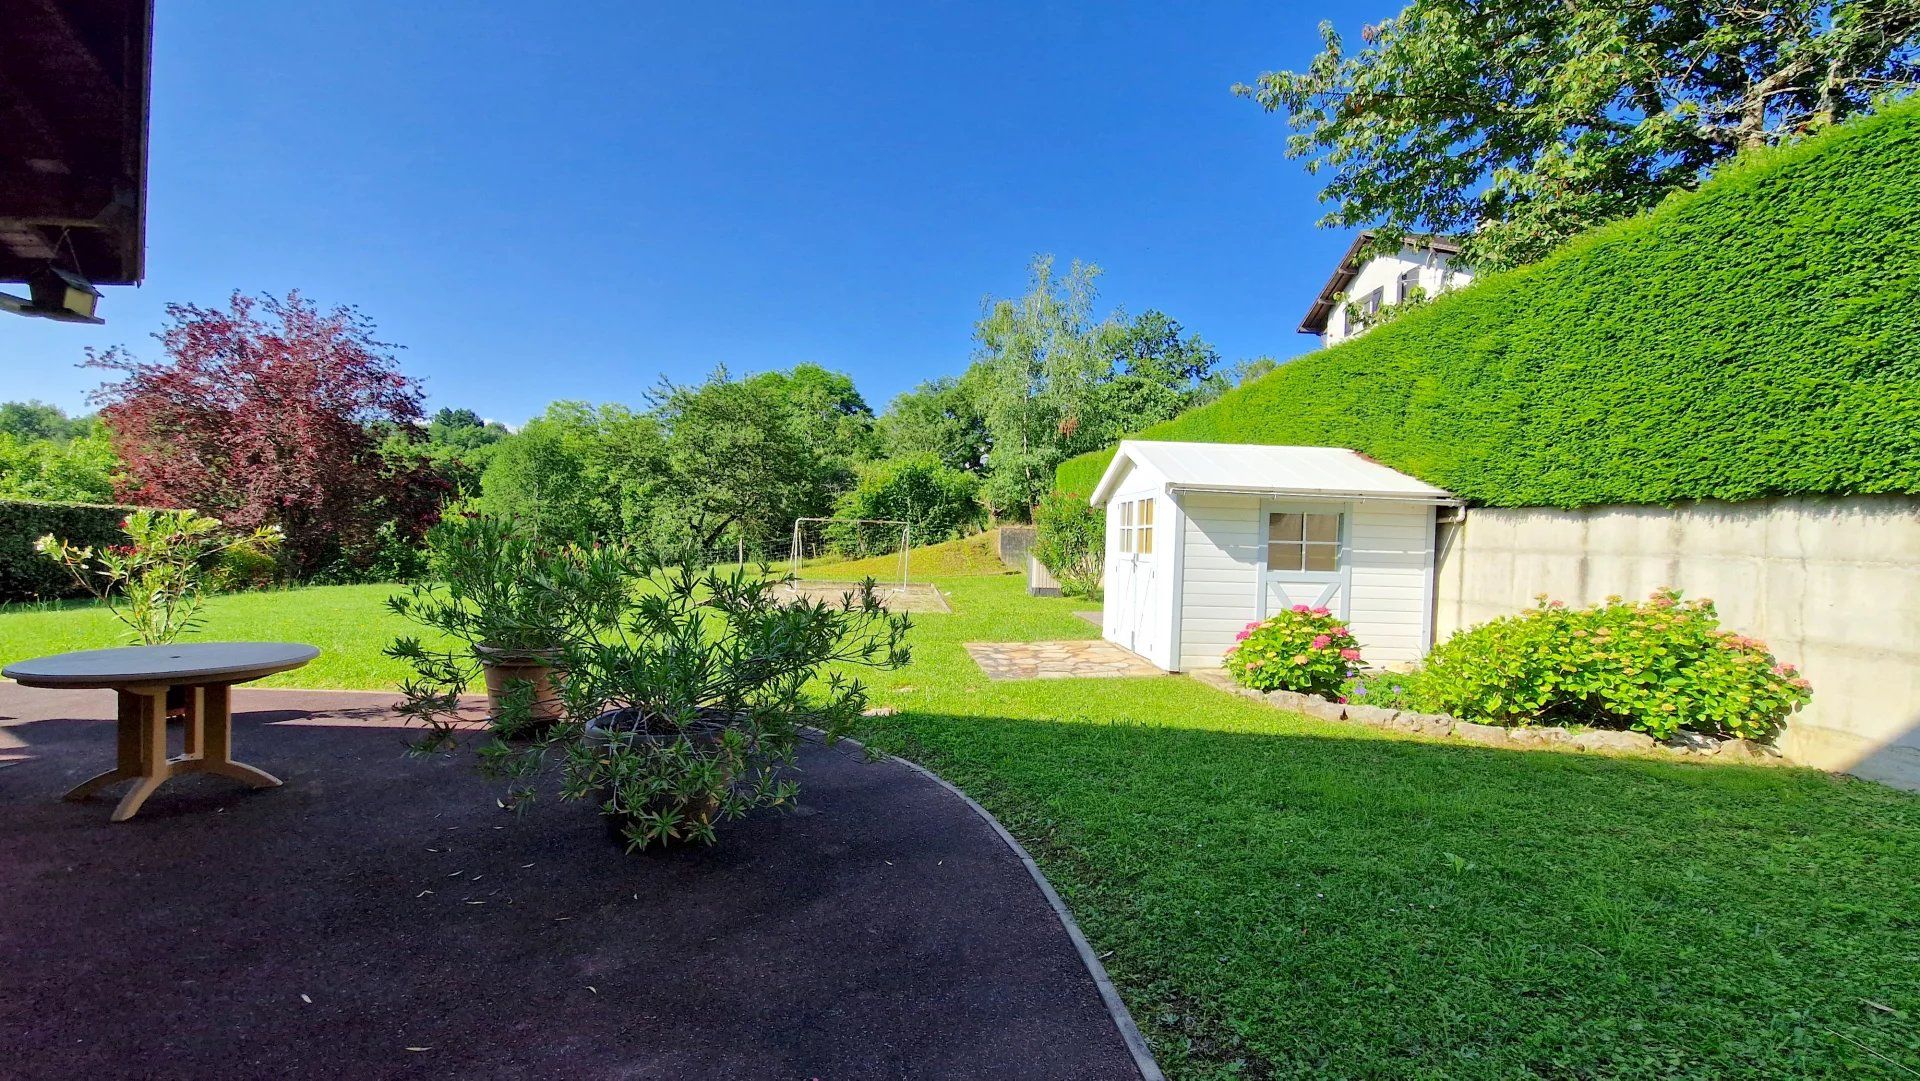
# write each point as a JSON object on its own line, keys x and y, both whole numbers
{"x": 503, "y": 668}
{"x": 606, "y": 730}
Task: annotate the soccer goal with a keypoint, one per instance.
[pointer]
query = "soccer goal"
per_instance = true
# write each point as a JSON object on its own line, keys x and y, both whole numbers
{"x": 848, "y": 539}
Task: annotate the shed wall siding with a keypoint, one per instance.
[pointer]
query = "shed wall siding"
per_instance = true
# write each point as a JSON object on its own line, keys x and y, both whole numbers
{"x": 1221, "y": 574}
{"x": 1391, "y": 549}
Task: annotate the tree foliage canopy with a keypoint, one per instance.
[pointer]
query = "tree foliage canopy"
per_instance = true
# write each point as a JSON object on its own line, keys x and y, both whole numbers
{"x": 1514, "y": 124}
{"x": 1050, "y": 379}
{"x": 45, "y": 454}
{"x": 265, "y": 412}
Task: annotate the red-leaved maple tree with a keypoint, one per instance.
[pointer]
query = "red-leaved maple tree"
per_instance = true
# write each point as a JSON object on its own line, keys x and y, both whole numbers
{"x": 270, "y": 412}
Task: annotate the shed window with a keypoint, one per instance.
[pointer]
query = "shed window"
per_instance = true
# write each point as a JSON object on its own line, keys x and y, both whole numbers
{"x": 1135, "y": 527}
{"x": 1303, "y": 542}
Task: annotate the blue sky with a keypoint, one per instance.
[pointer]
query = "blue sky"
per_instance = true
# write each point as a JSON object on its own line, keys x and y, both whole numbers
{"x": 544, "y": 203}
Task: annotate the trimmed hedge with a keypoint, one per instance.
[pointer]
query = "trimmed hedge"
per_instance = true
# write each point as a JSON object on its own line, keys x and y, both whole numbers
{"x": 27, "y": 575}
{"x": 1758, "y": 337}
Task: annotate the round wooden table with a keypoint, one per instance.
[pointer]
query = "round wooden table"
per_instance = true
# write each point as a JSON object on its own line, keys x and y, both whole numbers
{"x": 141, "y": 676}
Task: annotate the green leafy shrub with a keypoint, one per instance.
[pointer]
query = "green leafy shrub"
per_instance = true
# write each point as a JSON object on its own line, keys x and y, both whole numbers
{"x": 1655, "y": 666}
{"x": 154, "y": 584}
{"x": 394, "y": 557}
{"x": 1758, "y": 337}
{"x": 247, "y": 565}
{"x": 1070, "y": 540}
{"x": 1300, "y": 649}
{"x": 937, "y": 500}
{"x": 25, "y": 574}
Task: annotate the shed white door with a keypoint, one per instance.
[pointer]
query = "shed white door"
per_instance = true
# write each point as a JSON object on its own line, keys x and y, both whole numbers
{"x": 1132, "y": 620}
{"x": 1305, "y": 558}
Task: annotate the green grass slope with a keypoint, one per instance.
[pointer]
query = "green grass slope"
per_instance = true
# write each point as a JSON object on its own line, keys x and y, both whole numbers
{"x": 1760, "y": 336}
{"x": 951, "y": 559}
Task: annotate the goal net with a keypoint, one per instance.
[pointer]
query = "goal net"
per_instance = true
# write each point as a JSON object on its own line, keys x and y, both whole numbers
{"x": 878, "y": 545}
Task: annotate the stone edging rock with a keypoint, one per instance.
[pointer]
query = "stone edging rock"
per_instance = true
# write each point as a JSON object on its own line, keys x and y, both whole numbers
{"x": 1440, "y": 724}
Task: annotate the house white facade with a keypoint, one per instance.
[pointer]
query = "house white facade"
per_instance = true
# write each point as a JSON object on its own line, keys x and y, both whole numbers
{"x": 1204, "y": 538}
{"x": 1369, "y": 283}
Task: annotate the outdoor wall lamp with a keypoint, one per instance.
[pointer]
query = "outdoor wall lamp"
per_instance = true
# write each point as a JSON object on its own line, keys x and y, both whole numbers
{"x": 56, "y": 294}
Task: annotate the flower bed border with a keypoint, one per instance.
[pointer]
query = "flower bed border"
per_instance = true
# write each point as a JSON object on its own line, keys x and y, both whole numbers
{"x": 1443, "y": 726}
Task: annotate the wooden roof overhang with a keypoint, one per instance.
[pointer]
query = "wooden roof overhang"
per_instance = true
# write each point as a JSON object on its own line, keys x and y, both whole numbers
{"x": 74, "y": 91}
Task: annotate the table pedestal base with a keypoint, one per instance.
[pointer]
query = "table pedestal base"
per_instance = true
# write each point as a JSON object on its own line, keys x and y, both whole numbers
{"x": 143, "y": 746}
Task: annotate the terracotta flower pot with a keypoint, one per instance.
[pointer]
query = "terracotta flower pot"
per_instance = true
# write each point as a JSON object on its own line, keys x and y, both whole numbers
{"x": 503, "y": 668}
{"x": 604, "y": 730}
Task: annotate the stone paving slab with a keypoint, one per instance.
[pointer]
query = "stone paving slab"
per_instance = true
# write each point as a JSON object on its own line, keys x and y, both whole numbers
{"x": 1073, "y": 659}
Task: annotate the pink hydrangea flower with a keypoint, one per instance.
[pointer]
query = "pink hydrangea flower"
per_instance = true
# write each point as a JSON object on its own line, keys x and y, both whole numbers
{"x": 1301, "y": 608}
{"x": 1803, "y": 684}
{"x": 1350, "y": 654}
{"x": 1243, "y": 636}
{"x": 1321, "y": 641}
{"x": 1321, "y": 610}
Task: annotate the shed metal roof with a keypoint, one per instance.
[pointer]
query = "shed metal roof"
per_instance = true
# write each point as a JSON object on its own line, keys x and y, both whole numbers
{"x": 1265, "y": 469}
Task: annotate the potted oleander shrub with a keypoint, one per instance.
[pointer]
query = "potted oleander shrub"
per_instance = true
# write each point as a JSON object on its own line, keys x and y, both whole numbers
{"x": 684, "y": 711}
{"x": 1303, "y": 648}
{"x": 495, "y": 598}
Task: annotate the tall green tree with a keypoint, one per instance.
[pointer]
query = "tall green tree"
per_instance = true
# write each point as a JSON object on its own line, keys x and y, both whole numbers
{"x": 742, "y": 464}
{"x": 1051, "y": 380}
{"x": 31, "y": 420}
{"x": 1037, "y": 360}
{"x": 580, "y": 471}
{"x": 456, "y": 445}
{"x": 1513, "y": 124}
{"x": 1158, "y": 371}
{"x": 827, "y": 411}
{"x": 939, "y": 417}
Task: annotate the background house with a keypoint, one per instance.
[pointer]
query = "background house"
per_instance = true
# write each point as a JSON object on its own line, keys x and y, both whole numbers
{"x": 1365, "y": 282}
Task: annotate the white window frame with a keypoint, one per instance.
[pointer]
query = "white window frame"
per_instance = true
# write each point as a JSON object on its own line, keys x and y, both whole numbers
{"x": 1341, "y": 578}
{"x": 1133, "y": 524}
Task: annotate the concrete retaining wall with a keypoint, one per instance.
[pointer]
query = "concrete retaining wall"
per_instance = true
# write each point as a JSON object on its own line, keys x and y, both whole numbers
{"x": 1831, "y": 585}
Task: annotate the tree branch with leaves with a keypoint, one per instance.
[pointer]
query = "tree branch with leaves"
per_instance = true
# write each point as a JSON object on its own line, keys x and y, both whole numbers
{"x": 1514, "y": 124}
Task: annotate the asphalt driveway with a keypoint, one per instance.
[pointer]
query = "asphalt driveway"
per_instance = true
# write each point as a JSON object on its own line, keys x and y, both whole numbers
{"x": 379, "y": 916}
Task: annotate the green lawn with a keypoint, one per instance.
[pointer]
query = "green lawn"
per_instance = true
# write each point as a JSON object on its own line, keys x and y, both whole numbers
{"x": 350, "y": 624}
{"x": 1278, "y": 896}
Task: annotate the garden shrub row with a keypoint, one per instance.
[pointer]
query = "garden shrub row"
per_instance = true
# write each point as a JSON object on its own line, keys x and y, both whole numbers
{"x": 27, "y": 575}
{"x": 1758, "y": 337}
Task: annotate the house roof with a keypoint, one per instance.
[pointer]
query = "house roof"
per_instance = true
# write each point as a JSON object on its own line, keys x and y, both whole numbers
{"x": 1264, "y": 469}
{"x": 1350, "y": 264}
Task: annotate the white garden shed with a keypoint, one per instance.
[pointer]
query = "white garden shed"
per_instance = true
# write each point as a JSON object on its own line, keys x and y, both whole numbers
{"x": 1203, "y": 538}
